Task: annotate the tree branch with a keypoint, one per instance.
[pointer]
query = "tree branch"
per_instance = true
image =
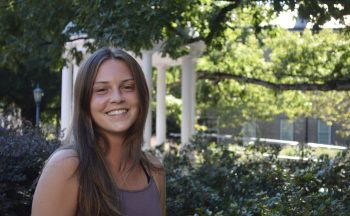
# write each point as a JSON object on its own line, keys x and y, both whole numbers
{"x": 218, "y": 22}
{"x": 332, "y": 85}
{"x": 187, "y": 39}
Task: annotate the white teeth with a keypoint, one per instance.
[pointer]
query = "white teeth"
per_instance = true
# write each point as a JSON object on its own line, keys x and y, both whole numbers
{"x": 117, "y": 112}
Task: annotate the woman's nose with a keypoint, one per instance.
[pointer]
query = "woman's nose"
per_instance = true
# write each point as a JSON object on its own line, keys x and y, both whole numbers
{"x": 117, "y": 96}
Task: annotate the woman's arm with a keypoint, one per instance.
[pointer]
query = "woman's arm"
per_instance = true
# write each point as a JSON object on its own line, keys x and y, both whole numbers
{"x": 57, "y": 190}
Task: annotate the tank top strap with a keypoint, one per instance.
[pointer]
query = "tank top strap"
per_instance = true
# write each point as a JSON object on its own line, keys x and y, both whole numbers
{"x": 146, "y": 173}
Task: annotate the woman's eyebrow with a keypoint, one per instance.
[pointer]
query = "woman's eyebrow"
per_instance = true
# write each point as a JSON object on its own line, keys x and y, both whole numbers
{"x": 106, "y": 82}
{"x": 126, "y": 80}
{"x": 100, "y": 82}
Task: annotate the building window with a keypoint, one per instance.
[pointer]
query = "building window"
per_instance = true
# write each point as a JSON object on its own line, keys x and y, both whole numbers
{"x": 249, "y": 129}
{"x": 286, "y": 130}
{"x": 323, "y": 132}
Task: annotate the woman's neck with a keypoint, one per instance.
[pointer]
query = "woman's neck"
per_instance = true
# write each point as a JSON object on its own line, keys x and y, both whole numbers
{"x": 115, "y": 150}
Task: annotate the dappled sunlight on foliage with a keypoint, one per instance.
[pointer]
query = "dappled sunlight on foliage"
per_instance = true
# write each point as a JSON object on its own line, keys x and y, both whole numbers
{"x": 209, "y": 178}
{"x": 266, "y": 76}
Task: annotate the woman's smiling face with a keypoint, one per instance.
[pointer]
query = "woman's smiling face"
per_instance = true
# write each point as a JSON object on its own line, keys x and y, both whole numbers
{"x": 114, "y": 104}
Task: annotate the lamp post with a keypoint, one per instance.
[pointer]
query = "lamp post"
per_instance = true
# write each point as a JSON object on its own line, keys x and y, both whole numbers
{"x": 38, "y": 93}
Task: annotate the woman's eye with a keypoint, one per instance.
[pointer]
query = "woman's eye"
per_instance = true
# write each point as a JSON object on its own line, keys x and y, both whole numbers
{"x": 128, "y": 87}
{"x": 101, "y": 90}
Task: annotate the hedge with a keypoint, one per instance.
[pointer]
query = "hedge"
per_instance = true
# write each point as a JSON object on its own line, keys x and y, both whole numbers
{"x": 209, "y": 178}
{"x": 205, "y": 178}
{"x": 23, "y": 151}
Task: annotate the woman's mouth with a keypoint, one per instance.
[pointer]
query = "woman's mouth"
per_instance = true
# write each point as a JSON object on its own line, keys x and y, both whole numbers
{"x": 117, "y": 112}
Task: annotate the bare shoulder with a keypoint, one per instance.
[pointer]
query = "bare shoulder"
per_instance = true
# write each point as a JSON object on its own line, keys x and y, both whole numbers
{"x": 64, "y": 158}
{"x": 57, "y": 188}
{"x": 65, "y": 162}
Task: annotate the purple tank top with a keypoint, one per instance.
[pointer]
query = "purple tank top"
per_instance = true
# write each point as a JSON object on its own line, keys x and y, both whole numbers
{"x": 143, "y": 202}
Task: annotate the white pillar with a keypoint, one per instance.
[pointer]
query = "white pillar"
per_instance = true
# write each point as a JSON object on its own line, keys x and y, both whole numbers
{"x": 147, "y": 69}
{"x": 66, "y": 97}
{"x": 161, "y": 108}
{"x": 75, "y": 72}
{"x": 186, "y": 99}
{"x": 196, "y": 50}
{"x": 75, "y": 69}
{"x": 193, "y": 97}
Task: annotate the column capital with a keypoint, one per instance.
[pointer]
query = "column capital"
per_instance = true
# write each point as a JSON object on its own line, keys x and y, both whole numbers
{"x": 76, "y": 42}
{"x": 186, "y": 58}
{"x": 161, "y": 66}
{"x": 197, "y": 48}
{"x": 147, "y": 52}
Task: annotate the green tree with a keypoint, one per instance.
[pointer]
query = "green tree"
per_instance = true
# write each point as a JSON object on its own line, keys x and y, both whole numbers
{"x": 31, "y": 45}
{"x": 33, "y": 33}
{"x": 296, "y": 73}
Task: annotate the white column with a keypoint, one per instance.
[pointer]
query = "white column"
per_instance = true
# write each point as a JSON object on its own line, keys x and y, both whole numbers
{"x": 161, "y": 108}
{"x": 75, "y": 69}
{"x": 196, "y": 50}
{"x": 186, "y": 99}
{"x": 147, "y": 69}
{"x": 193, "y": 97}
{"x": 75, "y": 72}
{"x": 66, "y": 97}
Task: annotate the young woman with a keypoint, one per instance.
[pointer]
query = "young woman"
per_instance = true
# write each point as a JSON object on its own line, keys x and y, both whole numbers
{"x": 102, "y": 170}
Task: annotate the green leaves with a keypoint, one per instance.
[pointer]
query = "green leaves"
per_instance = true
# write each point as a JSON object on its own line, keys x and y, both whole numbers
{"x": 31, "y": 45}
{"x": 238, "y": 37}
{"x": 249, "y": 78}
{"x": 23, "y": 152}
{"x": 209, "y": 178}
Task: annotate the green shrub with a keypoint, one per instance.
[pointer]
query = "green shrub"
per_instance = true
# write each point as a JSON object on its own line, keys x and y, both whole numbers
{"x": 206, "y": 178}
{"x": 23, "y": 151}
{"x": 211, "y": 179}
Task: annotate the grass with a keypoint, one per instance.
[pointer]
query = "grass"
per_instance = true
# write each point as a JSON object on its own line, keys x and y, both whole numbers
{"x": 309, "y": 152}
{"x": 291, "y": 151}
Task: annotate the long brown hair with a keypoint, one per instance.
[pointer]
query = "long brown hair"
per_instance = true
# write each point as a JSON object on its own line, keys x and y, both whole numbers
{"x": 98, "y": 193}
